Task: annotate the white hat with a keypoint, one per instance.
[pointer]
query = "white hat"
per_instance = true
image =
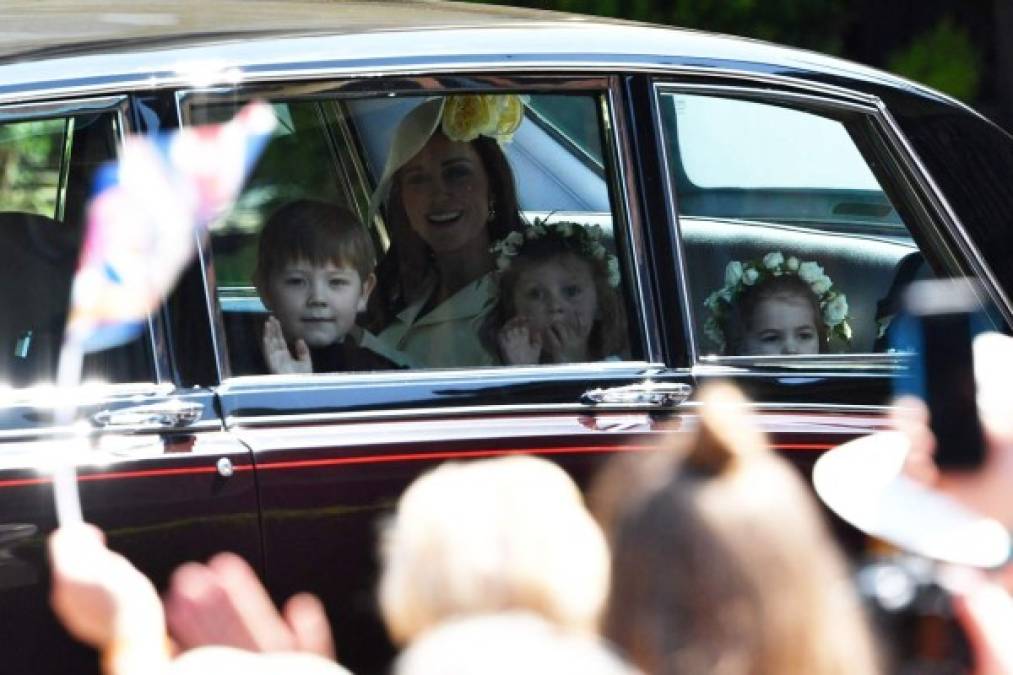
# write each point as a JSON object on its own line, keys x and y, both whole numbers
{"x": 412, "y": 133}
{"x": 462, "y": 117}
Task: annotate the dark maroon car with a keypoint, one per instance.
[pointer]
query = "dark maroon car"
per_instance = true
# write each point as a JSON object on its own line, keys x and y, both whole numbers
{"x": 686, "y": 152}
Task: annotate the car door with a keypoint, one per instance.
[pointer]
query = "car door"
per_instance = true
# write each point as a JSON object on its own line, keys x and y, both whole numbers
{"x": 765, "y": 177}
{"x": 156, "y": 470}
{"x": 334, "y": 450}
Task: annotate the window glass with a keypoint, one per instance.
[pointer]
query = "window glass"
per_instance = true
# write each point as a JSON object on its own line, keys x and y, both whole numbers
{"x": 48, "y": 168}
{"x": 431, "y": 232}
{"x": 792, "y": 244}
{"x": 31, "y": 155}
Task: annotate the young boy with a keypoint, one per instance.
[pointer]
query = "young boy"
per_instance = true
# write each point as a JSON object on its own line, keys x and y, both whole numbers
{"x": 314, "y": 274}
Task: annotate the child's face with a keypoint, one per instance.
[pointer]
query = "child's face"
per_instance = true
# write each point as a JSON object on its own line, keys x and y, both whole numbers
{"x": 316, "y": 303}
{"x": 782, "y": 324}
{"x": 558, "y": 294}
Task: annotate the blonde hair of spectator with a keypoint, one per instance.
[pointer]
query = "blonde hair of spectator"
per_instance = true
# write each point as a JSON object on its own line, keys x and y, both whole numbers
{"x": 722, "y": 562}
{"x": 489, "y": 536}
{"x": 509, "y": 643}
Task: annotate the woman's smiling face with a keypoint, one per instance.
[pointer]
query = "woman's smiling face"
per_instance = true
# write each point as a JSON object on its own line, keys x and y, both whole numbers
{"x": 445, "y": 194}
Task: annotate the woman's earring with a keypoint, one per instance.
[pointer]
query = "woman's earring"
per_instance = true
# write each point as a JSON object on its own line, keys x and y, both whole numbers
{"x": 492, "y": 211}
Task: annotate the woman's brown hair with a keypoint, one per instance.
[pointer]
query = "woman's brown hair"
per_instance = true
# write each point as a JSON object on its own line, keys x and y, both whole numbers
{"x": 408, "y": 261}
{"x": 721, "y": 562}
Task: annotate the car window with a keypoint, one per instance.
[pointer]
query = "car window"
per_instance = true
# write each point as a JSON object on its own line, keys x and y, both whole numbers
{"x": 426, "y": 232}
{"x": 793, "y": 243}
{"x": 48, "y": 166}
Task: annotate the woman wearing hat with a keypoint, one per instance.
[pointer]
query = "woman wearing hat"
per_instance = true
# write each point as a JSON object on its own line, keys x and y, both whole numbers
{"x": 449, "y": 195}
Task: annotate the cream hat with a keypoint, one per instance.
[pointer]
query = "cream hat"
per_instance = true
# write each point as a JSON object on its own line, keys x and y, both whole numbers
{"x": 461, "y": 117}
{"x": 411, "y": 135}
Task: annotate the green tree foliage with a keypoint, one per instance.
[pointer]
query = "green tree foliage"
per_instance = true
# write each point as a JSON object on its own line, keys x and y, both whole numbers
{"x": 815, "y": 24}
{"x": 944, "y": 58}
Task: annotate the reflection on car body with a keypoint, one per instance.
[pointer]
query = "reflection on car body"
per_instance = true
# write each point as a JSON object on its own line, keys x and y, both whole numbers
{"x": 682, "y": 152}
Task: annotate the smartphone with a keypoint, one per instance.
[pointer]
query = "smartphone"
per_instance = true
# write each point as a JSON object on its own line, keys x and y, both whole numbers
{"x": 939, "y": 322}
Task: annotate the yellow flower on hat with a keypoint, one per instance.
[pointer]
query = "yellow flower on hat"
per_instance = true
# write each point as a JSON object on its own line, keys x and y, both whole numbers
{"x": 466, "y": 117}
{"x": 510, "y": 117}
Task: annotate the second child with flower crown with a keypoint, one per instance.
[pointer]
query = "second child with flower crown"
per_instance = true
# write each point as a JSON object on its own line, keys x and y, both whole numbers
{"x": 776, "y": 306}
{"x": 557, "y": 297}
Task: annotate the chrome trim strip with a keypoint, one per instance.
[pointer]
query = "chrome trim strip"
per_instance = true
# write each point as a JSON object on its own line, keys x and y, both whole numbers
{"x": 627, "y": 211}
{"x": 592, "y": 64}
{"x": 249, "y": 422}
{"x": 855, "y": 101}
{"x": 219, "y": 346}
{"x": 239, "y": 422}
{"x": 42, "y": 433}
{"x": 488, "y": 375}
{"x": 204, "y": 259}
{"x": 968, "y": 248}
{"x": 66, "y": 107}
{"x": 671, "y": 201}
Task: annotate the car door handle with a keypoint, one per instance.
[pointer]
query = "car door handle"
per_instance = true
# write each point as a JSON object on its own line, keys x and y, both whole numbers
{"x": 653, "y": 394}
{"x": 171, "y": 413}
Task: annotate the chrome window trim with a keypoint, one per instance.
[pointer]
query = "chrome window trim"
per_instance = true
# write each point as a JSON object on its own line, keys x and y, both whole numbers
{"x": 219, "y": 346}
{"x": 607, "y": 89}
{"x": 236, "y": 422}
{"x": 42, "y": 433}
{"x": 255, "y": 383}
{"x": 15, "y": 112}
{"x": 240, "y": 422}
{"x": 578, "y": 64}
{"x": 627, "y": 211}
{"x": 671, "y": 205}
{"x": 928, "y": 197}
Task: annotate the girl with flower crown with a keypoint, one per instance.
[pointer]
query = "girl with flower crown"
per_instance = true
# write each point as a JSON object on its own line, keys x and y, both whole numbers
{"x": 776, "y": 306}
{"x": 557, "y": 297}
{"x": 449, "y": 193}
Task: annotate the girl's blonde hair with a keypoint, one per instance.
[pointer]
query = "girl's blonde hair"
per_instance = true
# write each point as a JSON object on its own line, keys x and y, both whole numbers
{"x": 489, "y": 536}
{"x": 723, "y": 563}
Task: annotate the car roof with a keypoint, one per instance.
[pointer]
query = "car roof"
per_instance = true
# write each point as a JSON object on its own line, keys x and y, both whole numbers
{"x": 88, "y": 45}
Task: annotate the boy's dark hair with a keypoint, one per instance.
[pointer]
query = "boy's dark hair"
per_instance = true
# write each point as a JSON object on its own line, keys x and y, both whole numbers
{"x": 740, "y": 318}
{"x": 314, "y": 231}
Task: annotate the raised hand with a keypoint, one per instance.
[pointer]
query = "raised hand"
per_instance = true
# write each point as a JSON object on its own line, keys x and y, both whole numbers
{"x": 566, "y": 341}
{"x": 105, "y": 602}
{"x": 224, "y": 603}
{"x": 276, "y": 352}
{"x": 518, "y": 343}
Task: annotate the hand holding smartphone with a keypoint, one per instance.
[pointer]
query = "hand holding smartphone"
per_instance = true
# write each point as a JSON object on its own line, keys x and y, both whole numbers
{"x": 941, "y": 318}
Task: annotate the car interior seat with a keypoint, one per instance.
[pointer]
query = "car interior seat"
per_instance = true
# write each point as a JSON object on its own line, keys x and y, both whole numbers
{"x": 37, "y": 260}
{"x": 861, "y": 267}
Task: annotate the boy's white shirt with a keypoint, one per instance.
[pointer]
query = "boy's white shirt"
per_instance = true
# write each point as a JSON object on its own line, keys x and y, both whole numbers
{"x": 448, "y": 335}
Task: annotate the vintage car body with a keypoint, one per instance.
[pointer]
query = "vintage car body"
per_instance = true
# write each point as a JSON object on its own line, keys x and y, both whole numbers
{"x": 293, "y": 472}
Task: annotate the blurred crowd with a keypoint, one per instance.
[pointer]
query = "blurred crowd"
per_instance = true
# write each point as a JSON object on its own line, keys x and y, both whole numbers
{"x": 707, "y": 555}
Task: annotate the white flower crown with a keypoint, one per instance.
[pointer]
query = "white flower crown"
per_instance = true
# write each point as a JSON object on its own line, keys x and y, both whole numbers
{"x": 585, "y": 240}
{"x": 740, "y": 275}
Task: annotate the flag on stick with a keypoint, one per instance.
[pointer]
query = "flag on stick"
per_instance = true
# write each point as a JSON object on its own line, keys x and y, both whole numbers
{"x": 143, "y": 222}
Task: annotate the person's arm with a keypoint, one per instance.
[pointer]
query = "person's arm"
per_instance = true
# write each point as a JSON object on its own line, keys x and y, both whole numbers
{"x": 105, "y": 602}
